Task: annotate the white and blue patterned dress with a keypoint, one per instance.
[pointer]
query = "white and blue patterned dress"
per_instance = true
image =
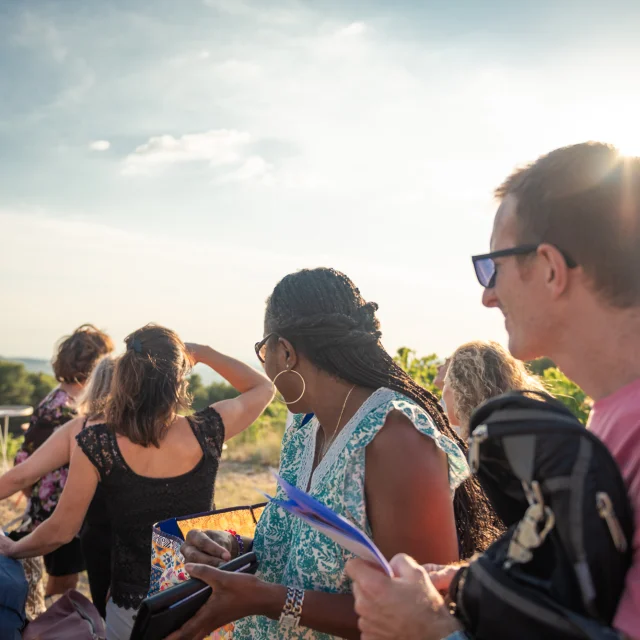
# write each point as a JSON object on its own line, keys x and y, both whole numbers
{"x": 290, "y": 552}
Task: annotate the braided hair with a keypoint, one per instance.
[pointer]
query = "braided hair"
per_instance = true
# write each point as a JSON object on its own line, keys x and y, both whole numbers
{"x": 323, "y": 315}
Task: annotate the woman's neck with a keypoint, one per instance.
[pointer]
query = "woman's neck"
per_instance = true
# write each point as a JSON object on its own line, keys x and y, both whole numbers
{"x": 332, "y": 398}
{"x": 72, "y": 389}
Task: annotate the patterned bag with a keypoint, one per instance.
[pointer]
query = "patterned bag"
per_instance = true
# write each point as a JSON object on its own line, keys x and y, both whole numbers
{"x": 34, "y": 571}
{"x": 167, "y": 563}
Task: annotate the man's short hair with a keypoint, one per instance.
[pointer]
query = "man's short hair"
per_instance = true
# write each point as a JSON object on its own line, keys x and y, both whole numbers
{"x": 585, "y": 200}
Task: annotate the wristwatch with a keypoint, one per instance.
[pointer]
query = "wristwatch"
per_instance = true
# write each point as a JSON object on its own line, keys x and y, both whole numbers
{"x": 290, "y": 616}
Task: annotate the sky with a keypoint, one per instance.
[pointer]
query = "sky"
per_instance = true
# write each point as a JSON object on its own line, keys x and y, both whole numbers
{"x": 171, "y": 161}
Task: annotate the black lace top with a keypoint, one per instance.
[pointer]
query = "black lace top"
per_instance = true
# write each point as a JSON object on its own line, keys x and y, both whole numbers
{"x": 136, "y": 502}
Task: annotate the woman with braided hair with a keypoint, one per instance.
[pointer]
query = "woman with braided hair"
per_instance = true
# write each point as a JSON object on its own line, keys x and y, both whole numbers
{"x": 378, "y": 451}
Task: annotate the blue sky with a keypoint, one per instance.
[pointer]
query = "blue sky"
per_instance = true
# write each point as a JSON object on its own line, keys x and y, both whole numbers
{"x": 170, "y": 161}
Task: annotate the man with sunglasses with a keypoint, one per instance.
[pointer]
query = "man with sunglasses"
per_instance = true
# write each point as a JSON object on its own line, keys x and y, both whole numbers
{"x": 564, "y": 269}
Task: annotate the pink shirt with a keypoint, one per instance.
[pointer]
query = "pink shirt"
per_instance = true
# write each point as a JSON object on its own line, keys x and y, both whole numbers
{"x": 616, "y": 421}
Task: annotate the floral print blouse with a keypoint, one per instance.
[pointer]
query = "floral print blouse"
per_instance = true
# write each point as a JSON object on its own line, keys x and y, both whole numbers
{"x": 290, "y": 552}
{"x": 56, "y": 409}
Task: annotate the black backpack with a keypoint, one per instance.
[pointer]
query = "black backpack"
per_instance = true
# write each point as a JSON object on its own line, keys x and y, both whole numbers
{"x": 558, "y": 572}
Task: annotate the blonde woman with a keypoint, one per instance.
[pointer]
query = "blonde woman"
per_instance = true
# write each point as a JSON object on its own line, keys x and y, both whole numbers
{"x": 478, "y": 371}
{"x": 56, "y": 452}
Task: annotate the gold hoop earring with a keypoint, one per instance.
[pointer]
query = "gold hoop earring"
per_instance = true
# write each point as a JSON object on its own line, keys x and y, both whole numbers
{"x": 304, "y": 385}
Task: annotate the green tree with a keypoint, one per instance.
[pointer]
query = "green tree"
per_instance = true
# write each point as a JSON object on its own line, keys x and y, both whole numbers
{"x": 203, "y": 395}
{"x": 422, "y": 370}
{"x": 217, "y": 391}
{"x": 15, "y": 386}
{"x": 198, "y": 392}
{"x": 18, "y": 386}
{"x": 568, "y": 392}
{"x": 539, "y": 366}
{"x": 42, "y": 386}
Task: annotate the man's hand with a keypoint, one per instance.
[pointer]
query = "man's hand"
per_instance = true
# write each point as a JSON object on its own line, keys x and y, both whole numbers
{"x": 442, "y": 575}
{"x": 212, "y": 548}
{"x": 406, "y": 606}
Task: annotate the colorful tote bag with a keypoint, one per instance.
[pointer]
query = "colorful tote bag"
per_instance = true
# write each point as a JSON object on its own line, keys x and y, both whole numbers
{"x": 167, "y": 563}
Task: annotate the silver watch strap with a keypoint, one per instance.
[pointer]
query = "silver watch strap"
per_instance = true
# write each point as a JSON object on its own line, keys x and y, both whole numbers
{"x": 292, "y": 610}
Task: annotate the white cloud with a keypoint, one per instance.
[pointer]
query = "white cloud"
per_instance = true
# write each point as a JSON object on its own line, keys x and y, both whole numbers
{"x": 219, "y": 147}
{"x": 253, "y": 169}
{"x": 237, "y": 70}
{"x": 257, "y": 11}
{"x": 190, "y": 58}
{"x": 100, "y": 145}
{"x": 37, "y": 32}
{"x": 354, "y": 29}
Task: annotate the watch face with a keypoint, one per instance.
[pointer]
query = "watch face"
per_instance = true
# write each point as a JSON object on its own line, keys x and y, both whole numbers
{"x": 288, "y": 621}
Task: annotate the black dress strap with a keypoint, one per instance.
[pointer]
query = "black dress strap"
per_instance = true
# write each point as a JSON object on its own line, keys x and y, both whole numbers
{"x": 208, "y": 428}
{"x": 98, "y": 444}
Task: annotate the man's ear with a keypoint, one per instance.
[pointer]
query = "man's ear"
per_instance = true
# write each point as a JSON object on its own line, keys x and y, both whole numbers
{"x": 556, "y": 269}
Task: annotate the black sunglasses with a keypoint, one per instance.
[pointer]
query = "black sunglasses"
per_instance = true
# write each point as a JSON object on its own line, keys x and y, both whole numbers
{"x": 485, "y": 267}
{"x": 261, "y": 347}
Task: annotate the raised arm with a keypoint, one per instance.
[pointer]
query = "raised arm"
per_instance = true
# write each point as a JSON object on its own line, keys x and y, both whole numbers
{"x": 256, "y": 390}
{"x": 53, "y": 454}
{"x": 67, "y": 517}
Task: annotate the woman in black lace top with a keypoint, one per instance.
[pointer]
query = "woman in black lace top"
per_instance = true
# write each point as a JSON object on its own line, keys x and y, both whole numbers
{"x": 151, "y": 462}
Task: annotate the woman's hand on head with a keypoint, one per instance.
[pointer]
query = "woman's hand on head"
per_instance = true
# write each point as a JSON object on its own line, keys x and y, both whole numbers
{"x": 211, "y": 548}
{"x": 194, "y": 351}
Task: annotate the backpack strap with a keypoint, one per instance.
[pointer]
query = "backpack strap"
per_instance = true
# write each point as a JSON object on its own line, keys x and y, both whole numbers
{"x": 518, "y": 401}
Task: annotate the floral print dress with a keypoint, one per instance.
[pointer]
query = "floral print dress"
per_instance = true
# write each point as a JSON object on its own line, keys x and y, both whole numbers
{"x": 56, "y": 409}
{"x": 292, "y": 553}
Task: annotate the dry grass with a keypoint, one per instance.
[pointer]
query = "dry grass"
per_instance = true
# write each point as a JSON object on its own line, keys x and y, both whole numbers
{"x": 240, "y": 483}
{"x": 264, "y": 452}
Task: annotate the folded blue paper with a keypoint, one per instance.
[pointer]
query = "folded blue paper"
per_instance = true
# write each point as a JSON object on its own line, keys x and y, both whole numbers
{"x": 325, "y": 520}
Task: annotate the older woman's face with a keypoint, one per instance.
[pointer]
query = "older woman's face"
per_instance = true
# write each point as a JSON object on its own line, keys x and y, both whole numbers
{"x": 449, "y": 402}
{"x": 438, "y": 381}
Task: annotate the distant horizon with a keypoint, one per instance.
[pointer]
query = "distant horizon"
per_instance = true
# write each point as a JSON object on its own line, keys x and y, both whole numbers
{"x": 40, "y": 365}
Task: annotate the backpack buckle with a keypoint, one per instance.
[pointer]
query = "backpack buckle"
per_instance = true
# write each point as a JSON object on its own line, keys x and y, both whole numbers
{"x": 532, "y": 530}
{"x": 479, "y": 435}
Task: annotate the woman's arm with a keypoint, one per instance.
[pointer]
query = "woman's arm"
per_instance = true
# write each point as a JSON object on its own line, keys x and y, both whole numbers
{"x": 409, "y": 502}
{"x": 68, "y": 515}
{"x": 256, "y": 390}
{"x": 53, "y": 454}
{"x": 237, "y": 595}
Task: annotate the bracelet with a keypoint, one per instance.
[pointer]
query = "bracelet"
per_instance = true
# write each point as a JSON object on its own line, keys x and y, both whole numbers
{"x": 239, "y": 540}
{"x": 292, "y": 610}
{"x": 458, "y": 635}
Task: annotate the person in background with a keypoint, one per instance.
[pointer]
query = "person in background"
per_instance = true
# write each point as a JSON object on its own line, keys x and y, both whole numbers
{"x": 478, "y": 371}
{"x": 75, "y": 359}
{"x": 378, "y": 451}
{"x": 438, "y": 381}
{"x": 95, "y": 537}
{"x": 152, "y": 462}
{"x": 564, "y": 270}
